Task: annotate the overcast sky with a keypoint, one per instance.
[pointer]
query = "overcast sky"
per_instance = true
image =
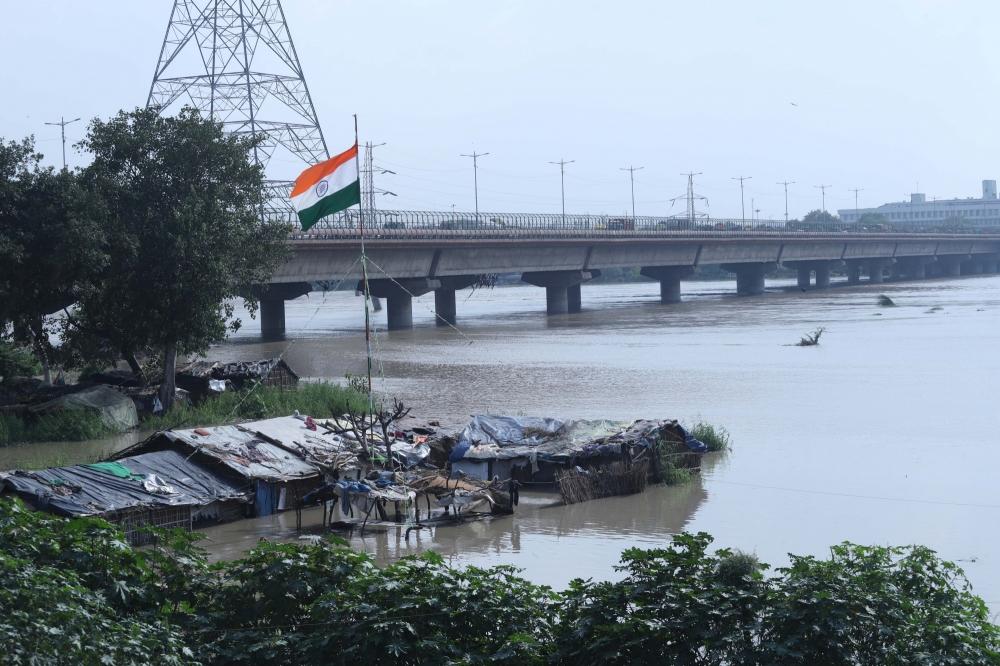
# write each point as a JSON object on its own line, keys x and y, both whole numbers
{"x": 876, "y": 94}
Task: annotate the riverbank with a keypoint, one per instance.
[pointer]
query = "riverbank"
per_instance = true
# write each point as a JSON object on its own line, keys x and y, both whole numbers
{"x": 320, "y": 399}
{"x": 76, "y": 593}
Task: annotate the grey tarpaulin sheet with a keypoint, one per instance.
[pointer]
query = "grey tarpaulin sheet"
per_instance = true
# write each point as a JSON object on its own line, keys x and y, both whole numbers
{"x": 167, "y": 479}
{"x": 117, "y": 411}
{"x": 509, "y": 437}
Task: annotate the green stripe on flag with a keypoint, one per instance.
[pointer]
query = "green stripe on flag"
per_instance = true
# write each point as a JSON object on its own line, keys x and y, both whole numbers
{"x": 330, "y": 204}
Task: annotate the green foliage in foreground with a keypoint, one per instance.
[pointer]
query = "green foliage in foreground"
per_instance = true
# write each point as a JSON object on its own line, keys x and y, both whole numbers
{"x": 716, "y": 438}
{"x": 321, "y": 400}
{"x": 72, "y": 425}
{"x": 75, "y": 592}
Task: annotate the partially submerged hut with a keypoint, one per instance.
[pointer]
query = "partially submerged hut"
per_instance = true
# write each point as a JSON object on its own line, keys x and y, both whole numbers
{"x": 270, "y": 457}
{"x": 155, "y": 489}
{"x": 531, "y": 449}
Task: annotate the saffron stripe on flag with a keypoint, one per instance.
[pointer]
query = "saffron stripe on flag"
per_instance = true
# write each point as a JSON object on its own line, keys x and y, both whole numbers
{"x": 318, "y": 172}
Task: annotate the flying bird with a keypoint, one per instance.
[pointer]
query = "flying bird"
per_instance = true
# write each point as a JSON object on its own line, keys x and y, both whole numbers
{"x": 793, "y": 103}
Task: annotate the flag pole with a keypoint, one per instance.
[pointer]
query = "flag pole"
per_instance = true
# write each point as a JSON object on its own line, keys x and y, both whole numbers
{"x": 364, "y": 278}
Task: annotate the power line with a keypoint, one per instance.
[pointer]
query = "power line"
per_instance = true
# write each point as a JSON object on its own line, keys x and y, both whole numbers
{"x": 62, "y": 126}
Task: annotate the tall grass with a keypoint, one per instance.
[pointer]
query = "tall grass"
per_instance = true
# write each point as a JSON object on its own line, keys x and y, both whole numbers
{"x": 319, "y": 400}
{"x": 716, "y": 438}
{"x": 73, "y": 425}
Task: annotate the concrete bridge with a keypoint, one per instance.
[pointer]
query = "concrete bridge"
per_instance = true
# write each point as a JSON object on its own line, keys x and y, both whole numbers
{"x": 406, "y": 260}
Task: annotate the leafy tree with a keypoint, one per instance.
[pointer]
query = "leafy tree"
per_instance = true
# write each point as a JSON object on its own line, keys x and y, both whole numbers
{"x": 872, "y": 219}
{"x": 51, "y": 245}
{"x": 184, "y": 233}
{"x": 820, "y": 217}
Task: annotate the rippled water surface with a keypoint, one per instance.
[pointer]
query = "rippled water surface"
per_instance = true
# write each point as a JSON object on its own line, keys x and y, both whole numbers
{"x": 885, "y": 433}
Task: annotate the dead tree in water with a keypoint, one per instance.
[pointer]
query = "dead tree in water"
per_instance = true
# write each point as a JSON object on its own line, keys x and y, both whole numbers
{"x": 811, "y": 339}
{"x": 385, "y": 417}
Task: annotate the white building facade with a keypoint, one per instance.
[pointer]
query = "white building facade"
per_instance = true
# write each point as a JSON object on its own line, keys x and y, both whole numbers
{"x": 984, "y": 211}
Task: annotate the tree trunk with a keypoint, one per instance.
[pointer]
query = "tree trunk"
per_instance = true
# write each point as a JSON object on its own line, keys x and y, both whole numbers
{"x": 38, "y": 338}
{"x": 133, "y": 364}
{"x": 169, "y": 386}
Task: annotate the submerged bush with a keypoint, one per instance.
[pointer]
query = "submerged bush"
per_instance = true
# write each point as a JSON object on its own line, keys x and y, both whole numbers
{"x": 716, "y": 438}
{"x": 73, "y": 591}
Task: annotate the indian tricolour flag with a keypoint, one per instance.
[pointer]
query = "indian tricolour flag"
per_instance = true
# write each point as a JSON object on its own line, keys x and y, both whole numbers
{"x": 327, "y": 187}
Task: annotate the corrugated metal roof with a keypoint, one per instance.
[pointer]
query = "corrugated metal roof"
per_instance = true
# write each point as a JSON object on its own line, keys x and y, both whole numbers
{"x": 245, "y": 452}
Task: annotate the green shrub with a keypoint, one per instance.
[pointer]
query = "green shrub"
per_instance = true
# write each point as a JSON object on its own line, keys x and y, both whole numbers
{"x": 315, "y": 399}
{"x": 74, "y": 592}
{"x": 716, "y": 438}
{"x": 72, "y": 425}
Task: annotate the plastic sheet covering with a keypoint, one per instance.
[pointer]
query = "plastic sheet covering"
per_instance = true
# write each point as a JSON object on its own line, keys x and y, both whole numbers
{"x": 117, "y": 411}
{"x": 246, "y": 453}
{"x": 273, "y": 450}
{"x": 552, "y": 440}
{"x": 162, "y": 478}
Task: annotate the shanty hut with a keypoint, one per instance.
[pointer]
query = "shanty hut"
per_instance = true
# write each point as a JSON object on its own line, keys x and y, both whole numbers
{"x": 534, "y": 449}
{"x": 201, "y": 378}
{"x": 155, "y": 489}
{"x": 279, "y": 460}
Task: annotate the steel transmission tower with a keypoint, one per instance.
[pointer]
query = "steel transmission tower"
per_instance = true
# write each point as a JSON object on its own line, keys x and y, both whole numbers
{"x": 234, "y": 60}
{"x": 690, "y": 197}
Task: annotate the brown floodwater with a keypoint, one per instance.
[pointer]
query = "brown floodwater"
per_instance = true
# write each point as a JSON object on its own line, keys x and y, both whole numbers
{"x": 886, "y": 433}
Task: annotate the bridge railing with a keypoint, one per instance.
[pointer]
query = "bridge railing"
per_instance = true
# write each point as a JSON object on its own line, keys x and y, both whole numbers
{"x": 417, "y": 224}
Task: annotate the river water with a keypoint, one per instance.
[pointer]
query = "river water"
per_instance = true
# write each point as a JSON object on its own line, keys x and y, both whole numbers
{"x": 886, "y": 433}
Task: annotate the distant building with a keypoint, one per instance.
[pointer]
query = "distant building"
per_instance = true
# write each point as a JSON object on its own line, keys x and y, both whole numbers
{"x": 918, "y": 211}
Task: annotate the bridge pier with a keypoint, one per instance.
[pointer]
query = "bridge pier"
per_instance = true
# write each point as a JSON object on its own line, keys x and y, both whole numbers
{"x": 805, "y": 274}
{"x": 950, "y": 265}
{"x": 398, "y": 295}
{"x": 272, "y": 318}
{"x": 445, "y": 310}
{"x": 806, "y": 268}
{"x": 913, "y": 268}
{"x": 971, "y": 266}
{"x": 669, "y": 278}
{"x": 876, "y": 270}
{"x": 272, "y": 306}
{"x": 749, "y": 277}
{"x": 558, "y": 284}
{"x": 853, "y": 272}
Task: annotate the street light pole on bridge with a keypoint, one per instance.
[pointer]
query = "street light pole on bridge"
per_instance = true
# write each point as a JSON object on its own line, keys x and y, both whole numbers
{"x": 475, "y": 176}
{"x": 856, "y": 190}
{"x": 822, "y": 188}
{"x": 786, "y": 183}
{"x": 743, "y": 207}
{"x": 631, "y": 176}
{"x": 562, "y": 184}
